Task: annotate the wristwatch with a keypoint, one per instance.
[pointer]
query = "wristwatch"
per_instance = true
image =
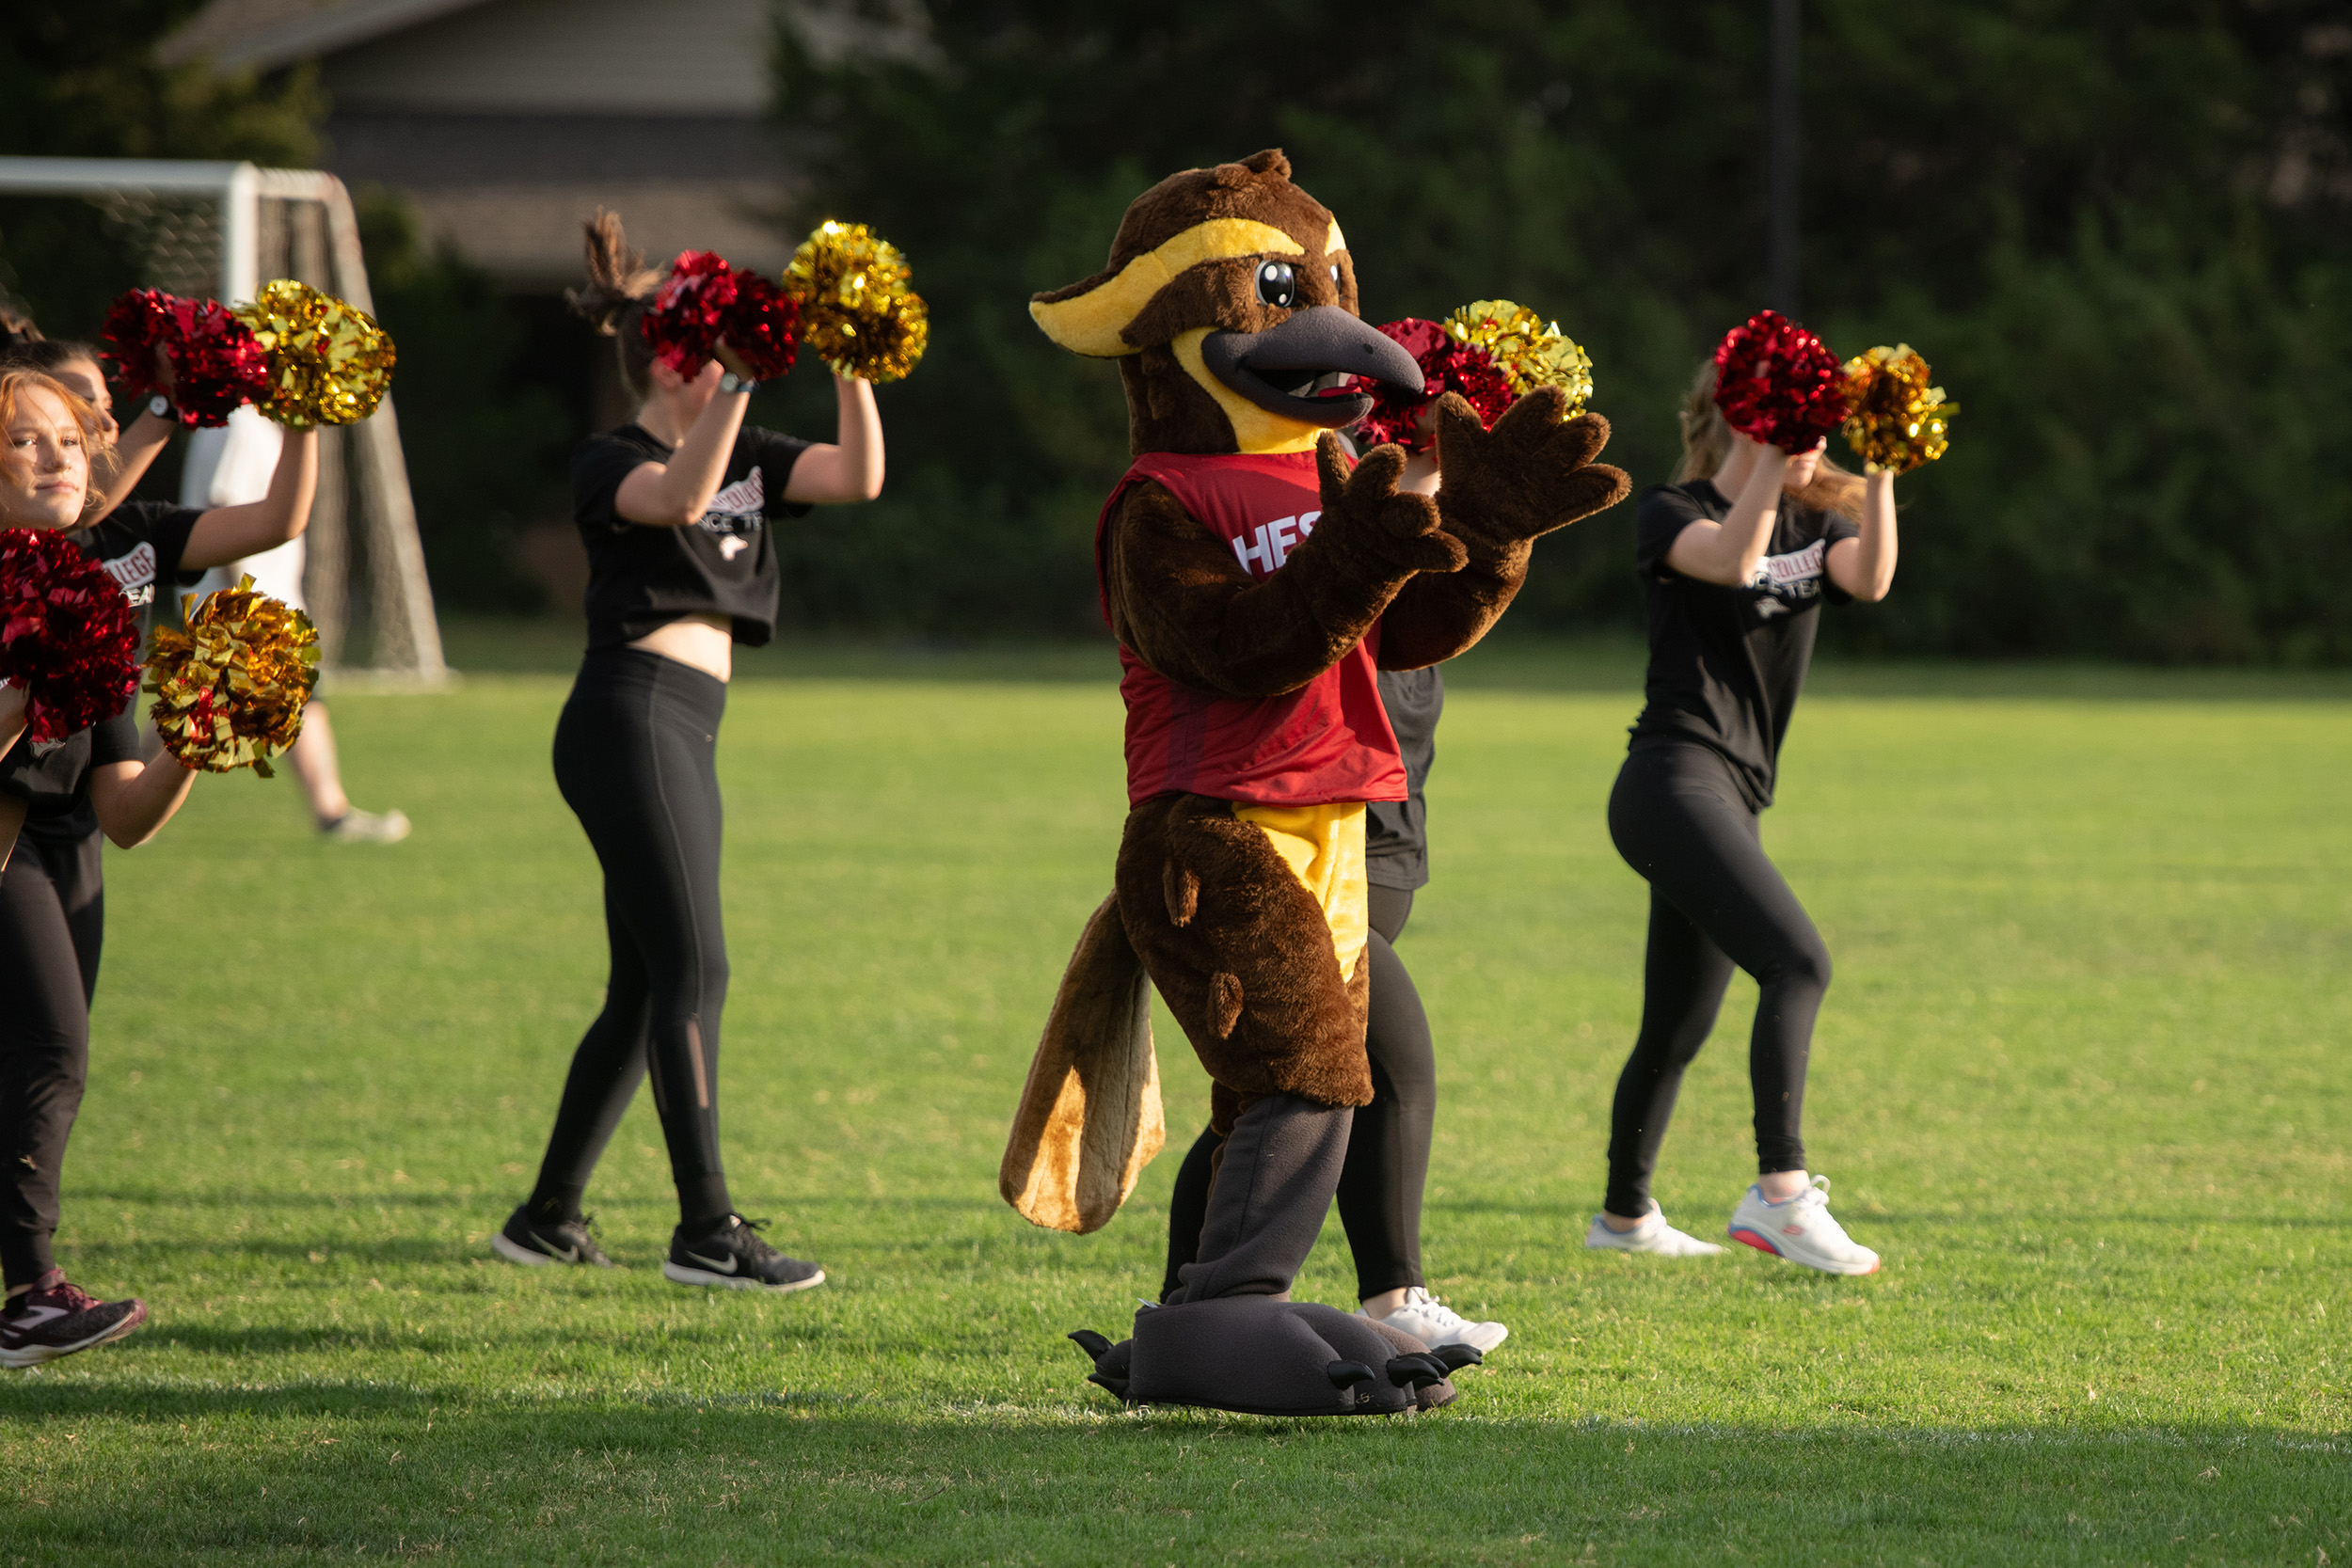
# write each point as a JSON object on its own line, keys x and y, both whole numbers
{"x": 159, "y": 406}
{"x": 731, "y": 383}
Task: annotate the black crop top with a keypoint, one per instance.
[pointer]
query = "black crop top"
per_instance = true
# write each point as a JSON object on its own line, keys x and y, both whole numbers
{"x": 53, "y": 778}
{"x": 1725, "y": 664}
{"x": 640, "y": 577}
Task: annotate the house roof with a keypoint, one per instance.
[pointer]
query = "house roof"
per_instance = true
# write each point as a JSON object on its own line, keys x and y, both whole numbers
{"x": 259, "y": 35}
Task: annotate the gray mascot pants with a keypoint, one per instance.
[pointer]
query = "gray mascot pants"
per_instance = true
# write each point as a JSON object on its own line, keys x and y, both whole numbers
{"x": 1274, "y": 1184}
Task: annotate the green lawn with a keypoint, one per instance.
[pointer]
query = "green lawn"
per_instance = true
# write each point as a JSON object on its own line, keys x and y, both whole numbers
{"x": 2082, "y": 1078}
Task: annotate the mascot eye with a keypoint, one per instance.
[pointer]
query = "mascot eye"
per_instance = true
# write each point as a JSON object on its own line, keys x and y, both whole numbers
{"x": 1278, "y": 284}
{"x": 1335, "y": 272}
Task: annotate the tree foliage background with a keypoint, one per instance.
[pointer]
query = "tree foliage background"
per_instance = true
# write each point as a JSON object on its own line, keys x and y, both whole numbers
{"x": 2117, "y": 228}
{"x": 2121, "y": 229}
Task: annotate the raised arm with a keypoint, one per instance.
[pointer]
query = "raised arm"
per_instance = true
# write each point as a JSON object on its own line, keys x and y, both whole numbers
{"x": 1502, "y": 489}
{"x": 133, "y": 800}
{"x": 675, "y": 494}
{"x": 1864, "y": 566}
{"x": 1728, "y": 553}
{"x": 850, "y": 469}
{"x": 227, "y": 533}
{"x": 1184, "y": 604}
{"x": 135, "y": 451}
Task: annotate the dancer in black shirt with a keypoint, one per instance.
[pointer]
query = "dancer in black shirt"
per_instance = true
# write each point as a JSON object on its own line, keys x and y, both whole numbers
{"x": 1737, "y": 556}
{"x": 55, "y": 798}
{"x": 676, "y": 510}
{"x": 152, "y": 547}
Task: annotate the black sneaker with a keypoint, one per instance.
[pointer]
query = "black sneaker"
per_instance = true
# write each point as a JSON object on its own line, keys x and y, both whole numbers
{"x": 536, "y": 1243}
{"x": 55, "y": 1318}
{"x": 734, "y": 1256}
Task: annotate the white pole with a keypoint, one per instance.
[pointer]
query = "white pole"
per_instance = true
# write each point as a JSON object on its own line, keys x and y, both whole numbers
{"x": 241, "y": 235}
{"x": 240, "y": 281}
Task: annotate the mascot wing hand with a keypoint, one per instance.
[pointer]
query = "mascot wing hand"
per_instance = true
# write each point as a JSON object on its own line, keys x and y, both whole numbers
{"x": 1504, "y": 489}
{"x": 1531, "y": 473}
{"x": 1369, "y": 513}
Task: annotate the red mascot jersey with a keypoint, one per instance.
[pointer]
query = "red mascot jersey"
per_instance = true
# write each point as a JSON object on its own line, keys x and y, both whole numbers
{"x": 1327, "y": 741}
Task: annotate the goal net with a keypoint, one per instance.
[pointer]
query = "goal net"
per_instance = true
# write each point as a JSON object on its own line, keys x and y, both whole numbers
{"x": 222, "y": 229}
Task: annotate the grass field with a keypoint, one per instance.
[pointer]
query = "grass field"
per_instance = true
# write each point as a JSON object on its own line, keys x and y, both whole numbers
{"x": 2083, "y": 1078}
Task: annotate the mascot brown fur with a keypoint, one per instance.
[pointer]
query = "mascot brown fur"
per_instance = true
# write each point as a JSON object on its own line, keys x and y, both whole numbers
{"x": 1255, "y": 581}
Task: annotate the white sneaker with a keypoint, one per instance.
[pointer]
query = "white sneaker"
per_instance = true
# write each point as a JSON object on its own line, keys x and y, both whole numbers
{"x": 1434, "y": 1323}
{"x": 368, "y": 827}
{"x": 1801, "y": 1230}
{"x": 1653, "y": 1235}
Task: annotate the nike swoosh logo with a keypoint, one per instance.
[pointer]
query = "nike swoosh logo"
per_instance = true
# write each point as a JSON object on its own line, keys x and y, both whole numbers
{"x": 725, "y": 1265}
{"x": 567, "y": 1254}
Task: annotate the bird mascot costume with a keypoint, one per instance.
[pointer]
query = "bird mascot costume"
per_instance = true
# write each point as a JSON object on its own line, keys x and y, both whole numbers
{"x": 1256, "y": 581}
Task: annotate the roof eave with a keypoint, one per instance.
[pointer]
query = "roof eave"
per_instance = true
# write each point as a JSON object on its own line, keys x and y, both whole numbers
{"x": 334, "y": 27}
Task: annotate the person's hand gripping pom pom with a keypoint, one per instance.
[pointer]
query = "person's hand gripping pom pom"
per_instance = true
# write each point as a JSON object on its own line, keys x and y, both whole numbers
{"x": 1778, "y": 384}
{"x": 330, "y": 362}
{"x": 68, "y": 637}
{"x": 1899, "y": 421}
{"x": 857, "y": 313}
{"x": 230, "y": 690}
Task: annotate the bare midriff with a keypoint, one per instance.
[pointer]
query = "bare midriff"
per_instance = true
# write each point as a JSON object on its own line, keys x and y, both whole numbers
{"x": 703, "y": 642}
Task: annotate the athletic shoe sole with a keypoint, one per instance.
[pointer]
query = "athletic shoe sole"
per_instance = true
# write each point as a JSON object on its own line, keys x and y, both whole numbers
{"x": 514, "y": 1252}
{"x": 1762, "y": 1243}
{"x": 1480, "y": 1342}
{"x": 677, "y": 1274}
{"x": 1595, "y": 1242}
{"x": 33, "y": 1355}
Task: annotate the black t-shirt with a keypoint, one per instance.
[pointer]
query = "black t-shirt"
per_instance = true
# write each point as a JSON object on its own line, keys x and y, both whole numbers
{"x": 53, "y": 779}
{"x": 640, "y": 577}
{"x": 140, "y": 544}
{"x": 1396, "y": 832}
{"x": 1725, "y": 664}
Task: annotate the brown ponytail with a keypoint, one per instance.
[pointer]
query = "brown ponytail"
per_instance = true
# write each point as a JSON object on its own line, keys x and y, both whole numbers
{"x": 619, "y": 284}
{"x": 1707, "y": 447}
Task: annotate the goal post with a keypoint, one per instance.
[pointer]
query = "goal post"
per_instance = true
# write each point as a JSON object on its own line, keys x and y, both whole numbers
{"x": 226, "y": 227}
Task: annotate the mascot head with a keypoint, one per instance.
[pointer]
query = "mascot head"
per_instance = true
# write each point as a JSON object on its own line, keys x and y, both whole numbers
{"x": 1229, "y": 302}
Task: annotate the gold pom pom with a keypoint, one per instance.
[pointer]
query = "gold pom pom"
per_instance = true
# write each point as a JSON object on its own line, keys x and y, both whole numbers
{"x": 1899, "y": 421}
{"x": 230, "y": 690}
{"x": 857, "y": 313}
{"x": 330, "y": 363}
{"x": 1528, "y": 350}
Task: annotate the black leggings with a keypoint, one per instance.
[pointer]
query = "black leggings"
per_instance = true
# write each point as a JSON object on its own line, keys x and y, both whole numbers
{"x": 635, "y": 756}
{"x": 1715, "y": 900}
{"x": 1388, "y": 1146}
{"x": 52, "y": 922}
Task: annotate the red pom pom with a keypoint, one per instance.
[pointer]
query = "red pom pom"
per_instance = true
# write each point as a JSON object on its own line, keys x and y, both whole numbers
{"x": 1779, "y": 383}
{"x": 67, "y": 634}
{"x": 136, "y": 324}
{"x": 764, "y": 326}
{"x": 217, "y": 364}
{"x": 1446, "y": 365}
{"x": 689, "y": 310}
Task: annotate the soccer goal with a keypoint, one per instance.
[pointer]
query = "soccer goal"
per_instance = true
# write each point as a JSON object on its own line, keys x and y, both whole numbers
{"x": 221, "y": 229}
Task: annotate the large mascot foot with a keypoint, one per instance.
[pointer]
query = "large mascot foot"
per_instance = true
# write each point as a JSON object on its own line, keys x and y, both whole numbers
{"x": 1267, "y": 1358}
